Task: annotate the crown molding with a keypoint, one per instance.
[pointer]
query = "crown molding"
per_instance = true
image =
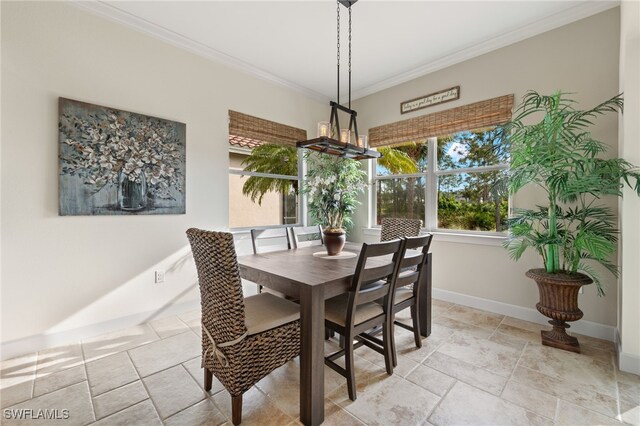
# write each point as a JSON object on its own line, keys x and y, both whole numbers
{"x": 581, "y": 11}
{"x": 576, "y": 13}
{"x": 114, "y": 14}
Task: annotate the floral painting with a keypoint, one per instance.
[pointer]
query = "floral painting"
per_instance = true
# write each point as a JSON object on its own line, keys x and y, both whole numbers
{"x": 115, "y": 162}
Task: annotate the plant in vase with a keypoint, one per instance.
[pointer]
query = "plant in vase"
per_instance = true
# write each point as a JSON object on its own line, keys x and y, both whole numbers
{"x": 332, "y": 186}
{"x": 573, "y": 229}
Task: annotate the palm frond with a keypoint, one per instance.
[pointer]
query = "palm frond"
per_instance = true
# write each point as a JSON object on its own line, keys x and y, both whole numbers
{"x": 272, "y": 159}
{"x": 397, "y": 161}
{"x": 591, "y": 272}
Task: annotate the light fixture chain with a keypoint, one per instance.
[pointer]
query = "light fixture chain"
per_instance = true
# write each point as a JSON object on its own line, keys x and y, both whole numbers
{"x": 349, "y": 56}
{"x": 338, "y": 93}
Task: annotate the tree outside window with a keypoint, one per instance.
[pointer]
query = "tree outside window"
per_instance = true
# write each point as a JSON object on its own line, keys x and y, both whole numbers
{"x": 263, "y": 184}
{"x": 450, "y": 182}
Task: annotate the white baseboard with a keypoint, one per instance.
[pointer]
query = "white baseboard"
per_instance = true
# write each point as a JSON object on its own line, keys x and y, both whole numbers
{"x": 39, "y": 342}
{"x": 626, "y": 362}
{"x": 629, "y": 362}
{"x": 588, "y": 328}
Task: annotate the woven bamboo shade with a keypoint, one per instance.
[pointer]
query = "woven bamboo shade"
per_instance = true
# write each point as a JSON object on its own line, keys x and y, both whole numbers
{"x": 247, "y": 126}
{"x": 467, "y": 117}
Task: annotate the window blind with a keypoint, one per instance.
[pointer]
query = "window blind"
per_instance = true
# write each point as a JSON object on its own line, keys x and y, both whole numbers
{"x": 247, "y": 126}
{"x": 486, "y": 113}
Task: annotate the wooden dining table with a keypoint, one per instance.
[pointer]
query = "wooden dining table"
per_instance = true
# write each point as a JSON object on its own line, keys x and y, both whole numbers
{"x": 312, "y": 279}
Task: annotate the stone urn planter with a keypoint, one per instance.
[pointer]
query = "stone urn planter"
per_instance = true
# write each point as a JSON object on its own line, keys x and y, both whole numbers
{"x": 334, "y": 241}
{"x": 551, "y": 149}
{"x": 559, "y": 301}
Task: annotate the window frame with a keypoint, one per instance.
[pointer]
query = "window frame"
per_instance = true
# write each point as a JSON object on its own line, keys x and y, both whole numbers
{"x": 431, "y": 176}
{"x": 301, "y": 211}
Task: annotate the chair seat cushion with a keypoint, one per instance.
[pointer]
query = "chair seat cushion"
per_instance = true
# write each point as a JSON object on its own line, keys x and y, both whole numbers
{"x": 402, "y": 294}
{"x": 335, "y": 310}
{"x": 266, "y": 311}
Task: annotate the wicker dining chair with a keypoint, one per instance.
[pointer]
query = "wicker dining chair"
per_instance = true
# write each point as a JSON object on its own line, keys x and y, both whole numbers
{"x": 243, "y": 339}
{"x": 395, "y": 227}
{"x": 354, "y": 314}
{"x": 306, "y": 236}
{"x": 407, "y": 289}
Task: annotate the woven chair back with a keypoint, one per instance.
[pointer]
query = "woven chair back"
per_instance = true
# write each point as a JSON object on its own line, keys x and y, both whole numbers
{"x": 220, "y": 285}
{"x": 393, "y": 227}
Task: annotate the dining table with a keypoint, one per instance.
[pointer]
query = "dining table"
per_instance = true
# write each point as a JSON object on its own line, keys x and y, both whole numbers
{"x": 308, "y": 275}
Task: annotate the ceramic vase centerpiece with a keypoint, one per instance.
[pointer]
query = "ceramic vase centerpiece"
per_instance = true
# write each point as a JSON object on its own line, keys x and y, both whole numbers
{"x": 334, "y": 240}
{"x": 332, "y": 186}
{"x": 572, "y": 231}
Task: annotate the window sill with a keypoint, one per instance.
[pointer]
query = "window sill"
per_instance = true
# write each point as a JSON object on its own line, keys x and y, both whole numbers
{"x": 240, "y": 231}
{"x": 453, "y": 237}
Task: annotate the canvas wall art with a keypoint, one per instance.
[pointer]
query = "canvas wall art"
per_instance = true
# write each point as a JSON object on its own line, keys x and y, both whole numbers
{"x": 115, "y": 162}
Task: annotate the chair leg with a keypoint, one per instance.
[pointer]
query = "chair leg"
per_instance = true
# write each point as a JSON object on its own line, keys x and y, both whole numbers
{"x": 387, "y": 347}
{"x": 392, "y": 341}
{"x": 350, "y": 366}
{"x": 236, "y": 409}
{"x": 328, "y": 333}
{"x": 208, "y": 378}
{"x": 416, "y": 325}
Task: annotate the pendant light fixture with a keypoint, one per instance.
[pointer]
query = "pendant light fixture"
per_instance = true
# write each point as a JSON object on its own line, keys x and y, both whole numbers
{"x": 331, "y": 139}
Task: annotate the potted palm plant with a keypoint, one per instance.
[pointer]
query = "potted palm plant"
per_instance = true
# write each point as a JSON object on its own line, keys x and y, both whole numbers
{"x": 573, "y": 230}
{"x": 332, "y": 186}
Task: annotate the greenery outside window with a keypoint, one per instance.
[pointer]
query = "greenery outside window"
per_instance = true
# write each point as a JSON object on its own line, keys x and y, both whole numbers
{"x": 263, "y": 184}
{"x": 265, "y": 172}
{"x": 451, "y": 183}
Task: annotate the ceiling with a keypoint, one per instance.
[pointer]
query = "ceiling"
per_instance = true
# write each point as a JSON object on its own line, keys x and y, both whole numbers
{"x": 293, "y": 43}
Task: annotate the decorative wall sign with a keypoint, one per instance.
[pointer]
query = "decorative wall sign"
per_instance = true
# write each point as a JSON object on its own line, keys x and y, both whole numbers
{"x": 432, "y": 99}
{"x": 115, "y": 162}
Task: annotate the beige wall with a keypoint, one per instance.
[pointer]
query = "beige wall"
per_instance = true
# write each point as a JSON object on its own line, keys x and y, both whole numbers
{"x": 64, "y": 273}
{"x": 629, "y": 314}
{"x": 245, "y": 213}
{"x": 581, "y": 57}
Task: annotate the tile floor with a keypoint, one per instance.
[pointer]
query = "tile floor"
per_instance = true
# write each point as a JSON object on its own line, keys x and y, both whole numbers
{"x": 476, "y": 368}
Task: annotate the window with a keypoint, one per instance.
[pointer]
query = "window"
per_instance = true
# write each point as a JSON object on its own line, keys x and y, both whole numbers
{"x": 401, "y": 184}
{"x": 263, "y": 172}
{"x": 401, "y": 197}
{"x": 450, "y": 183}
{"x": 469, "y": 190}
